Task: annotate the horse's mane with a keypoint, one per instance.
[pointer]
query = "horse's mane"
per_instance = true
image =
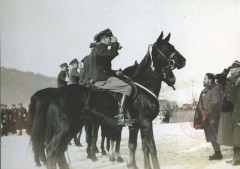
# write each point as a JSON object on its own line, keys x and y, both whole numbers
{"x": 143, "y": 64}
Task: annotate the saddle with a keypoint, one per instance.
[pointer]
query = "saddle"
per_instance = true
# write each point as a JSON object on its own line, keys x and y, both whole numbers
{"x": 124, "y": 78}
{"x": 128, "y": 121}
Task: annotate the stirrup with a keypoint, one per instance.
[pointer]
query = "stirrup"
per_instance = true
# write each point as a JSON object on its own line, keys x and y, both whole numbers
{"x": 124, "y": 122}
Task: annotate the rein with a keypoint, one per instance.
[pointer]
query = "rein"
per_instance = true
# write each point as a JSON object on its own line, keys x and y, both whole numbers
{"x": 141, "y": 86}
{"x": 150, "y": 92}
{"x": 169, "y": 67}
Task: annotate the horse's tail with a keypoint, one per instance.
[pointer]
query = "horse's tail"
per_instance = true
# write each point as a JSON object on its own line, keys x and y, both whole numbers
{"x": 49, "y": 126}
{"x": 37, "y": 112}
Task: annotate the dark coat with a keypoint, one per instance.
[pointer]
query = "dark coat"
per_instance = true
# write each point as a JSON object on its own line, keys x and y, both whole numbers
{"x": 21, "y": 118}
{"x": 4, "y": 116}
{"x": 208, "y": 111}
{"x": 61, "y": 80}
{"x": 74, "y": 76}
{"x": 229, "y": 131}
{"x": 100, "y": 61}
{"x": 85, "y": 71}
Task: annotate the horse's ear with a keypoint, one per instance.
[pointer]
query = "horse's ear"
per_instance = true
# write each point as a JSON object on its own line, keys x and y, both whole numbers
{"x": 136, "y": 62}
{"x": 168, "y": 37}
{"x": 160, "y": 37}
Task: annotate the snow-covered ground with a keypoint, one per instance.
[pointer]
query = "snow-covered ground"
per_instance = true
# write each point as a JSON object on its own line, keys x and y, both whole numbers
{"x": 176, "y": 150}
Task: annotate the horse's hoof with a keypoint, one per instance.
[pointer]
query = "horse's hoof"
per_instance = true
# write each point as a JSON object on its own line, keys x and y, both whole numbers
{"x": 120, "y": 159}
{"x": 112, "y": 159}
{"x": 38, "y": 165}
{"x": 94, "y": 159}
{"x": 96, "y": 150}
{"x": 78, "y": 144}
{"x": 130, "y": 166}
{"x": 104, "y": 153}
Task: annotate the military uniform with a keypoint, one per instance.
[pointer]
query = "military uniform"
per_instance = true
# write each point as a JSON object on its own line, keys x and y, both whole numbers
{"x": 5, "y": 121}
{"x": 229, "y": 127}
{"x": 208, "y": 111}
{"x": 61, "y": 80}
{"x": 100, "y": 69}
{"x": 229, "y": 131}
{"x": 84, "y": 71}
{"x": 21, "y": 119}
{"x": 13, "y": 119}
{"x": 62, "y": 76}
{"x": 101, "y": 72}
{"x": 74, "y": 76}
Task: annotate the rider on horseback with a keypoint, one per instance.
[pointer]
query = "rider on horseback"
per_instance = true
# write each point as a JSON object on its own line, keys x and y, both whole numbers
{"x": 102, "y": 76}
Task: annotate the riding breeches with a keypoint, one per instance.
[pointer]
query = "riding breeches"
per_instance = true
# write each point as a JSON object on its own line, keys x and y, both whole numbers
{"x": 115, "y": 85}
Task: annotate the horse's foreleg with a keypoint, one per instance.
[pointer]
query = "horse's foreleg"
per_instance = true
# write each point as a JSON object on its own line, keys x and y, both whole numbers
{"x": 96, "y": 136}
{"x": 150, "y": 143}
{"x": 102, "y": 146}
{"x": 92, "y": 142}
{"x": 112, "y": 150}
{"x": 117, "y": 148}
{"x": 145, "y": 149}
{"x": 108, "y": 143}
{"x": 132, "y": 145}
{"x": 153, "y": 151}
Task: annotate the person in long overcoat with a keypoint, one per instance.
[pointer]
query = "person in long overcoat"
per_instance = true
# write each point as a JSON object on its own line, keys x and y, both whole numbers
{"x": 208, "y": 113}
{"x": 229, "y": 127}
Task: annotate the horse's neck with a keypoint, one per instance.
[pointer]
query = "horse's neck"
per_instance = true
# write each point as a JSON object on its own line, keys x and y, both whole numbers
{"x": 145, "y": 75}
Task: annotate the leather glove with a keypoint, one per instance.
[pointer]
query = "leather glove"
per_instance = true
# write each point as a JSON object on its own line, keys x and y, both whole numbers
{"x": 113, "y": 39}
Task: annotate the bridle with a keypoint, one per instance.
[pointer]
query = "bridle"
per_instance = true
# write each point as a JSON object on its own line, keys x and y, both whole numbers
{"x": 171, "y": 65}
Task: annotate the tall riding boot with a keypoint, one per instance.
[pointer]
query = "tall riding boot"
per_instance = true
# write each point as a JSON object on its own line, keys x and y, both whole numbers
{"x": 217, "y": 156}
{"x": 122, "y": 110}
{"x": 234, "y": 155}
{"x": 236, "y": 160}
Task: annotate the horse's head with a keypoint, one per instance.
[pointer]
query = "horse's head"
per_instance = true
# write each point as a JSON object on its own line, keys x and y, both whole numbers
{"x": 166, "y": 58}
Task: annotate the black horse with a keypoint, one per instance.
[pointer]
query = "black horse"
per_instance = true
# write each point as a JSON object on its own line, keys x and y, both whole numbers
{"x": 71, "y": 106}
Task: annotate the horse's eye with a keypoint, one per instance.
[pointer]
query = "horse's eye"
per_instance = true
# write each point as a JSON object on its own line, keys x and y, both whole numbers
{"x": 171, "y": 63}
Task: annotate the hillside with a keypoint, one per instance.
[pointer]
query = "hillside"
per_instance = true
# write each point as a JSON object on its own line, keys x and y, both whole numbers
{"x": 18, "y": 86}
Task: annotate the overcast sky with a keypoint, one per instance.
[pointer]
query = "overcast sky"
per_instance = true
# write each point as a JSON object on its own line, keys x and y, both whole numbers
{"x": 39, "y": 35}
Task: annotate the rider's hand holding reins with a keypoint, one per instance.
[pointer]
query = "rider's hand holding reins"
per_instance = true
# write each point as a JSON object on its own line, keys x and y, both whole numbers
{"x": 119, "y": 73}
